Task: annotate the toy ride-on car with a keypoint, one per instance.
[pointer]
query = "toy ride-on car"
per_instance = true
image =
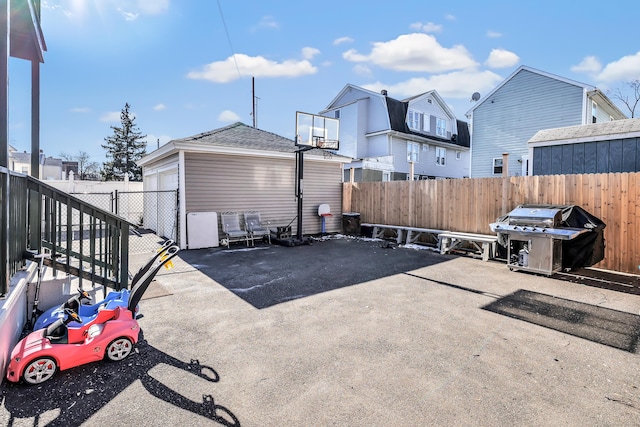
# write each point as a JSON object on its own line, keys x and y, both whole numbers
{"x": 38, "y": 356}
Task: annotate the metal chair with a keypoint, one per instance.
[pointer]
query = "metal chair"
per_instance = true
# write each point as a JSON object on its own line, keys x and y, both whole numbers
{"x": 231, "y": 228}
{"x": 255, "y": 227}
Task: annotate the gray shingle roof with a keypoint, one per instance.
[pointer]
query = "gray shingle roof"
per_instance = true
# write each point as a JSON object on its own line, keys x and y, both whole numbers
{"x": 239, "y": 135}
{"x": 615, "y": 127}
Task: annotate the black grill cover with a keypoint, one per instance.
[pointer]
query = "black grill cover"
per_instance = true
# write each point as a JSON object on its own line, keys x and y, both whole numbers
{"x": 586, "y": 249}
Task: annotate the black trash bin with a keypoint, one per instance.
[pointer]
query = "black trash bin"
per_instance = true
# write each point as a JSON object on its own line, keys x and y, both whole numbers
{"x": 351, "y": 223}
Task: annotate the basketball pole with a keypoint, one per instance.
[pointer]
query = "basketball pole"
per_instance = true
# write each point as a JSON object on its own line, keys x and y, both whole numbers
{"x": 300, "y": 190}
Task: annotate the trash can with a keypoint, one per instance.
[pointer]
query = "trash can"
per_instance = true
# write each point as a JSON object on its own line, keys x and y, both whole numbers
{"x": 351, "y": 223}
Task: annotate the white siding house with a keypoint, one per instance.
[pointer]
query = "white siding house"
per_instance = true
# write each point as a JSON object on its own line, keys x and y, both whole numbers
{"x": 527, "y": 101}
{"x": 389, "y": 139}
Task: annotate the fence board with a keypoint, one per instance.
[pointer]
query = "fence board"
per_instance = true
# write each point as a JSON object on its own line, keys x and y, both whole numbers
{"x": 470, "y": 205}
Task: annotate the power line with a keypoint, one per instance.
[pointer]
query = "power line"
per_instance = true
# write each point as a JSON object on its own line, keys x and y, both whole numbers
{"x": 224, "y": 24}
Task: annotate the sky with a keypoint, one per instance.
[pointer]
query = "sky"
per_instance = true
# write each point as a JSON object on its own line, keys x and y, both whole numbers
{"x": 186, "y": 66}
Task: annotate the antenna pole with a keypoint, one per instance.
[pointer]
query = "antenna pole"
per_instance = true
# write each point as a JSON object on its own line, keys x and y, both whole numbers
{"x": 253, "y": 100}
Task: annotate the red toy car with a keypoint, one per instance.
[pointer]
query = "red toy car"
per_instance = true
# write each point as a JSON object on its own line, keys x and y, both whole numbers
{"x": 38, "y": 356}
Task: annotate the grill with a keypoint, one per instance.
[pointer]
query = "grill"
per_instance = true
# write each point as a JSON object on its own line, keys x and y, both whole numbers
{"x": 534, "y": 236}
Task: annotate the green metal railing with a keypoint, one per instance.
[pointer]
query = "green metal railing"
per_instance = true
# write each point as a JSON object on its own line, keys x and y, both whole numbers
{"x": 85, "y": 241}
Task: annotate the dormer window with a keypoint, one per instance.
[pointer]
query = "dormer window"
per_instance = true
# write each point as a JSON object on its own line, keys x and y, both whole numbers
{"x": 414, "y": 120}
{"x": 441, "y": 127}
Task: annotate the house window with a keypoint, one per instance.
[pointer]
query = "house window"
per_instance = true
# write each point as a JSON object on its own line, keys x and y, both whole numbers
{"x": 594, "y": 111}
{"x": 441, "y": 127}
{"x": 25, "y": 169}
{"x": 458, "y": 154}
{"x": 413, "y": 152}
{"x": 441, "y": 154}
{"x": 425, "y": 147}
{"x": 386, "y": 176}
{"x": 497, "y": 165}
{"x": 414, "y": 119}
{"x": 336, "y": 114}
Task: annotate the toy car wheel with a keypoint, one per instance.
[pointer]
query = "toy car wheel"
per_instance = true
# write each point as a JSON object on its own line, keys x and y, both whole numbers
{"x": 119, "y": 349}
{"x": 40, "y": 370}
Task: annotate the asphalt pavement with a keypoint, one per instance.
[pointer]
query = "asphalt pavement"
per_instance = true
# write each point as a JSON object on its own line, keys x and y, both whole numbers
{"x": 358, "y": 332}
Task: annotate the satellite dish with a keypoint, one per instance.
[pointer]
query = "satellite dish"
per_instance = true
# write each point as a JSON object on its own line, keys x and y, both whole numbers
{"x": 475, "y": 96}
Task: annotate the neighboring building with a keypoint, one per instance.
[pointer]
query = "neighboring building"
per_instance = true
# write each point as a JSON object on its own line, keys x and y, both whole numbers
{"x": 385, "y": 136}
{"x": 50, "y": 167}
{"x": 527, "y": 101}
{"x": 240, "y": 168}
{"x": 595, "y": 148}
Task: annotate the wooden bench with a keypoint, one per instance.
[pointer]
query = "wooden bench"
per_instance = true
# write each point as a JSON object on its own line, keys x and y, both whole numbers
{"x": 485, "y": 244}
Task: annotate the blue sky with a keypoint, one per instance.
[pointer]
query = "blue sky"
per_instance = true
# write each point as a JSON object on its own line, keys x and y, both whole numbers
{"x": 185, "y": 66}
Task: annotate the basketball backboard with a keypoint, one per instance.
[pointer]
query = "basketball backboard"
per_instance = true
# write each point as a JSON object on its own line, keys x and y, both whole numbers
{"x": 317, "y": 131}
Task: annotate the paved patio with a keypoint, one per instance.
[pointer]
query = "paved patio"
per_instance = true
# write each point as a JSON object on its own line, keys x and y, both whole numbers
{"x": 352, "y": 333}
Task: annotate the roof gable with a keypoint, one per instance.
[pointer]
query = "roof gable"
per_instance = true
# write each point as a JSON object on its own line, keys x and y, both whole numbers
{"x": 584, "y": 86}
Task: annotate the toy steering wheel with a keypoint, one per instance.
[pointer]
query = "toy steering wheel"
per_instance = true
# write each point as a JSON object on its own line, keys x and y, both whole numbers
{"x": 83, "y": 294}
{"x": 72, "y": 315}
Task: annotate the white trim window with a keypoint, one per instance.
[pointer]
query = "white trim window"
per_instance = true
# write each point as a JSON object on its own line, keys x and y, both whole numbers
{"x": 413, "y": 152}
{"x": 441, "y": 155}
{"x": 441, "y": 127}
{"x": 414, "y": 120}
{"x": 594, "y": 111}
{"x": 458, "y": 154}
{"x": 425, "y": 147}
{"x": 497, "y": 166}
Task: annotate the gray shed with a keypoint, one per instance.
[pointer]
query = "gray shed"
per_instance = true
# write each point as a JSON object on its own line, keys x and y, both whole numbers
{"x": 607, "y": 147}
{"x": 241, "y": 168}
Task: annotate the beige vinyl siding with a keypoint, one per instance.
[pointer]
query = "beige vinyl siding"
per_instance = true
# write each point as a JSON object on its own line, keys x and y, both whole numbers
{"x": 322, "y": 184}
{"x": 216, "y": 182}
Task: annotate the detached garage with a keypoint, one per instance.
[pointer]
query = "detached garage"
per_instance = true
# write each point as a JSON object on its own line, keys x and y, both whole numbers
{"x": 241, "y": 168}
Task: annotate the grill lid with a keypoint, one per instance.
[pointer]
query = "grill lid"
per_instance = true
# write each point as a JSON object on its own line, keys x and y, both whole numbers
{"x": 538, "y": 217}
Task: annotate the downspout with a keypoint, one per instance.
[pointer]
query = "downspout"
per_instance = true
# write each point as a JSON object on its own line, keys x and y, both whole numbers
{"x": 182, "y": 196}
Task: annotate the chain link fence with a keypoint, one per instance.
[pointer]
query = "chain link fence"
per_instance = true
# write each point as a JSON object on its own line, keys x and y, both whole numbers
{"x": 155, "y": 213}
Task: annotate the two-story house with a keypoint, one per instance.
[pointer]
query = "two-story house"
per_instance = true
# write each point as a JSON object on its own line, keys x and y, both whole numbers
{"x": 529, "y": 100}
{"x": 392, "y": 139}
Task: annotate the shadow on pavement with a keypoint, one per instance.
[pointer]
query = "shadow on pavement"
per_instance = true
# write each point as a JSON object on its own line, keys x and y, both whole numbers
{"x": 77, "y": 394}
{"x": 268, "y": 275}
{"x": 602, "y": 325}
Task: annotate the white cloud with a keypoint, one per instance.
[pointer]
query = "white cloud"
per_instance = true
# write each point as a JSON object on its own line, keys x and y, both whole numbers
{"x": 159, "y": 107}
{"x": 341, "y": 40}
{"x": 267, "y": 22}
{"x": 589, "y": 64}
{"x": 493, "y": 34}
{"x": 128, "y": 16}
{"x": 428, "y": 27}
{"x": 501, "y": 58}
{"x": 457, "y": 84}
{"x": 110, "y": 117}
{"x": 228, "y": 116}
{"x": 153, "y": 7}
{"x": 362, "y": 70}
{"x": 415, "y": 52}
{"x": 309, "y": 52}
{"x": 626, "y": 68}
{"x": 257, "y": 66}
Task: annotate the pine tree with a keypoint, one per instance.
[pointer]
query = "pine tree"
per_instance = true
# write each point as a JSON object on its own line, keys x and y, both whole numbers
{"x": 124, "y": 148}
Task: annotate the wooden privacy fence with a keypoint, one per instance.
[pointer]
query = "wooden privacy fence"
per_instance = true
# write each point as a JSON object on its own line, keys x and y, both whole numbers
{"x": 470, "y": 204}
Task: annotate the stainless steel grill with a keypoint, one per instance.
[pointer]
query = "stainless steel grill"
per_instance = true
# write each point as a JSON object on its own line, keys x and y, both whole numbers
{"x": 533, "y": 237}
